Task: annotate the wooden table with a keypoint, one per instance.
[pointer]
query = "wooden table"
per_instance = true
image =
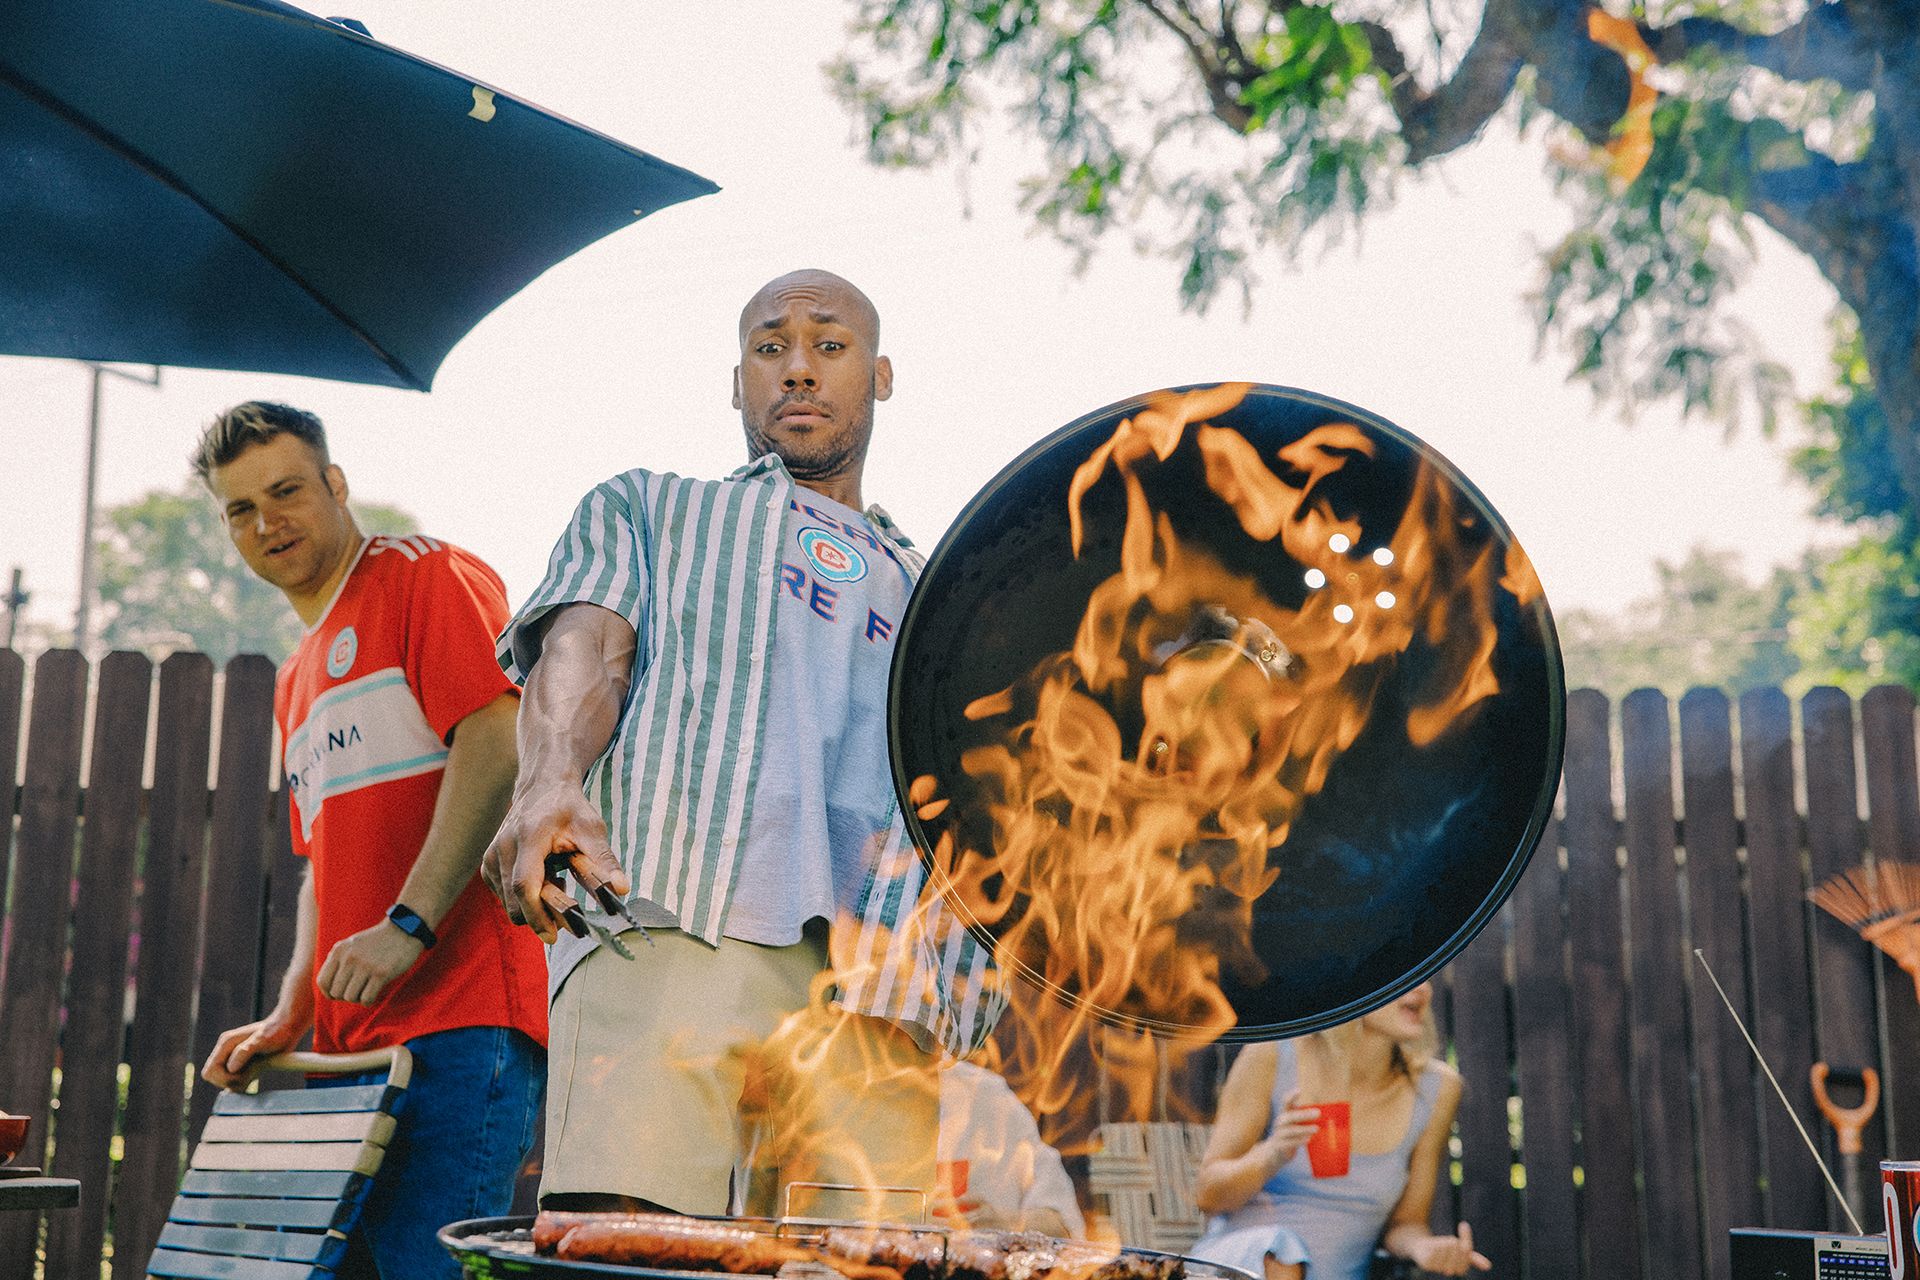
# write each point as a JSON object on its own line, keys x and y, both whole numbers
{"x": 38, "y": 1193}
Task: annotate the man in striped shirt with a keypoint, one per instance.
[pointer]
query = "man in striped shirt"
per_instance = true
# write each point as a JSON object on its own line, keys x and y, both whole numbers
{"x": 705, "y": 670}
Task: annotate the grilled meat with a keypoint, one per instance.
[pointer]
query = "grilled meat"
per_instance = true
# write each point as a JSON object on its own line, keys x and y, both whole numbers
{"x": 673, "y": 1243}
{"x": 991, "y": 1255}
{"x": 670, "y": 1242}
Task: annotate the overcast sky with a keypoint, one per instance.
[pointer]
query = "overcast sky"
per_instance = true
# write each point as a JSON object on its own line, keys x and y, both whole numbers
{"x": 622, "y": 356}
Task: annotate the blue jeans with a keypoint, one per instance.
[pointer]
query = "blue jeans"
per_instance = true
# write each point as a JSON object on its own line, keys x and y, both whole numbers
{"x": 465, "y": 1126}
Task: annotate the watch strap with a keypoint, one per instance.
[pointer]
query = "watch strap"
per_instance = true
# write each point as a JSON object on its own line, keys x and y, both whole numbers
{"x": 408, "y": 921}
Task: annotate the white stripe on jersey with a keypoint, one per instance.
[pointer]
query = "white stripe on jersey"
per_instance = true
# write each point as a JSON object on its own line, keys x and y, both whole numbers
{"x": 357, "y": 734}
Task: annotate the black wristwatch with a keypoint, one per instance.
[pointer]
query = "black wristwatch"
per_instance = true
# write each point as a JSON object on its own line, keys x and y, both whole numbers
{"x": 408, "y": 921}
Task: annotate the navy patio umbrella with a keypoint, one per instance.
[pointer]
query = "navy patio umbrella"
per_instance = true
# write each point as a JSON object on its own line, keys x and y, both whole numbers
{"x": 237, "y": 184}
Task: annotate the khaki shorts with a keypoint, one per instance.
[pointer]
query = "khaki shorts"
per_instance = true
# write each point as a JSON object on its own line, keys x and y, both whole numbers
{"x": 709, "y": 1080}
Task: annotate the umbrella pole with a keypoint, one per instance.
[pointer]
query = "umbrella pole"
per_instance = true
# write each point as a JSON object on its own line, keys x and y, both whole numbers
{"x": 83, "y": 613}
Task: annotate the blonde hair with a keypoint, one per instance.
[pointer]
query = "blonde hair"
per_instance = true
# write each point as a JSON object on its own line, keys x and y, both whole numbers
{"x": 255, "y": 422}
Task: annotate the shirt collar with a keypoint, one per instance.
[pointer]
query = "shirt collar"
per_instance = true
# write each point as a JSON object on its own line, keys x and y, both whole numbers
{"x": 771, "y": 463}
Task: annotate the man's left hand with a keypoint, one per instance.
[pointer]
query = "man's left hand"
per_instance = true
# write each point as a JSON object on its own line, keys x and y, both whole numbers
{"x": 360, "y": 967}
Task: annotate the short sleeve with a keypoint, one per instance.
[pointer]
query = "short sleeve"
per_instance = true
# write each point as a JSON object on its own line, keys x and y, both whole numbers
{"x": 599, "y": 559}
{"x": 455, "y": 606}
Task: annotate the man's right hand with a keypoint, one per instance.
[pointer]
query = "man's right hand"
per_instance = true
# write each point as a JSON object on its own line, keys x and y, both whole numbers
{"x": 237, "y": 1049}
{"x": 544, "y": 820}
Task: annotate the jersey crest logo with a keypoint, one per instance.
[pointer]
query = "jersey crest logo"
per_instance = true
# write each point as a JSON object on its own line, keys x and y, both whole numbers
{"x": 831, "y": 557}
{"x": 346, "y": 646}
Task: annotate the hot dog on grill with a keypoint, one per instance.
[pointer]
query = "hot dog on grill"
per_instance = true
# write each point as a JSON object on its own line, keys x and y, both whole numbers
{"x": 991, "y": 1255}
{"x": 670, "y": 1242}
{"x": 551, "y": 1225}
{"x": 675, "y": 1243}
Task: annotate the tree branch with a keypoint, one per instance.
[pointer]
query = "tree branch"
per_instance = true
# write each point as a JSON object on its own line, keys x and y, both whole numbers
{"x": 1222, "y": 85}
{"x": 1849, "y": 220}
{"x": 1402, "y": 92}
{"x": 1432, "y": 124}
{"x": 1820, "y": 206}
{"x": 1824, "y": 45}
{"x": 1585, "y": 83}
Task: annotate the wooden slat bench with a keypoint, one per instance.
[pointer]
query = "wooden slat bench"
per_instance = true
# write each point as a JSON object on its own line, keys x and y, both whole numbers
{"x": 280, "y": 1177}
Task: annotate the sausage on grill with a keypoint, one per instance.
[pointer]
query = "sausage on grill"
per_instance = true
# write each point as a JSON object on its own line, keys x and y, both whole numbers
{"x": 551, "y": 1225}
{"x": 675, "y": 1243}
{"x": 991, "y": 1255}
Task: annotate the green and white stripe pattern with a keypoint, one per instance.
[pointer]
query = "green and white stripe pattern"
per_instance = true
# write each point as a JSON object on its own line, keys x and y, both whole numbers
{"x": 693, "y": 565}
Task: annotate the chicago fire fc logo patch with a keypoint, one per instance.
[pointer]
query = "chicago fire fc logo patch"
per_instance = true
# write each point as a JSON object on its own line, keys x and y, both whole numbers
{"x": 831, "y": 557}
{"x": 340, "y": 656}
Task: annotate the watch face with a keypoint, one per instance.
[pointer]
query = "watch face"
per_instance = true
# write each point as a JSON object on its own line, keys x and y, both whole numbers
{"x": 1227, "y": 711}
{"x": 410, "y": 922}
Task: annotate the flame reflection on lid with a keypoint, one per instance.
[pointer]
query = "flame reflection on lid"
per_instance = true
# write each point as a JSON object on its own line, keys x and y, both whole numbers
{"x": 1170, "y": 834}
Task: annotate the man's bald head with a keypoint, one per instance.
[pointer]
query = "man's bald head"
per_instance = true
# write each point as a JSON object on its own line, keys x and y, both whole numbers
{"x": 827, "y": 295}
{"x": 810, "y": 370}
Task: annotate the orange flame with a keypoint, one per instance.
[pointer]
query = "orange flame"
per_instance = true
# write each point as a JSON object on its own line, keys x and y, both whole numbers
{"x": 1139, "y": 786}
{"x": 1124, "y": 861}
{"x": 845, "y": 1103}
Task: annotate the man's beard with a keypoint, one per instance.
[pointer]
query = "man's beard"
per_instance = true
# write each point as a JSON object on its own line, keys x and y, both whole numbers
{"x": 813, "y": 457}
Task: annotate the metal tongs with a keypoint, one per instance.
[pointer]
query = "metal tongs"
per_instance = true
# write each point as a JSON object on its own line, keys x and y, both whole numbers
{"x": 567, "y": 907}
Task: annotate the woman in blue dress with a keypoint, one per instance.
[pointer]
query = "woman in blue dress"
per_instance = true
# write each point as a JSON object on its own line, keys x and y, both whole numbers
{"x": 1272, "y": 1216}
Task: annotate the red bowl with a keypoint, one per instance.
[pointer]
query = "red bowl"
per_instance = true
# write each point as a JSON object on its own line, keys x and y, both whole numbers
{"x": 13, "y": 1132}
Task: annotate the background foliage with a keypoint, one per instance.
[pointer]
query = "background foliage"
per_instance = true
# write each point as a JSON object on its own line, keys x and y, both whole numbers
{"x": 1228, "y": 133}
{"x": 170, "y": 579}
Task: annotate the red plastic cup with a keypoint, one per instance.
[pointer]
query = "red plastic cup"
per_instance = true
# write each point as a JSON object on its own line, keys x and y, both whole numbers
{"x": 1900, "y": 1192}
{"x": 13, "y": 1135}
{"x": 1332, "y": 1143}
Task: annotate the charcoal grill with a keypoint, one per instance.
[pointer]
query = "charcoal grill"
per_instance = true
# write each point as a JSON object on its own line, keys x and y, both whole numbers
{"x": 503, "y": 1247}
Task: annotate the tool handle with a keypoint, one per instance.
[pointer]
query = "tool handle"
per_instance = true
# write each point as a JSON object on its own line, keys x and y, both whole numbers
{"x": 562, "y": 904}
{"x": 590, "y": 882}
{"x": 1847, "y": 1122}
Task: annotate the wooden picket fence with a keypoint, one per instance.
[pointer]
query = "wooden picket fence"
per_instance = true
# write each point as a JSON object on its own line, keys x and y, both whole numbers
{"x": 1614, "y": 1124}
{"x": 1635, "y": 1127}
{"x": 179, "y": 871}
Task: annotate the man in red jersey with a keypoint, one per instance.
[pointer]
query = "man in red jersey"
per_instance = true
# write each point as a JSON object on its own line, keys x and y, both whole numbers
{"x": 399, "y": 733}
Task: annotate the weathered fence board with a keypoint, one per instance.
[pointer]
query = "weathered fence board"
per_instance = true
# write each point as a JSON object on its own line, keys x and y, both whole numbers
{"x": 159, "y": 1040}
{"x": 1658, "y": 976}
{"x": 1847, "y": 1020}
{"x": 1602, "y": 1032}
{"x": 236, "y": 866}
{"x": 1893, "y": 833}
{"x": 1543, "y": 1066}
{"x": 97, "y": 984}
{"x": 13, "y": 678}
{"x": 1484, "y": 1055}
{"x": 285, "y": 871}
{"x": 37, "y": 922}
{"x": 1729, "y": 1140}
{"x": 1641, "y": 1122}
{"x": 1778, "y": 957}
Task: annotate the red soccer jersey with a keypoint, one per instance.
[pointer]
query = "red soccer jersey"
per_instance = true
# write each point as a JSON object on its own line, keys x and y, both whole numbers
{"x": 366, "y": 705}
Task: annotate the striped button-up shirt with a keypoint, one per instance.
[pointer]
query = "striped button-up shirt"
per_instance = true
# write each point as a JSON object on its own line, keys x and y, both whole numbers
{"x": 693, "y": 566}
